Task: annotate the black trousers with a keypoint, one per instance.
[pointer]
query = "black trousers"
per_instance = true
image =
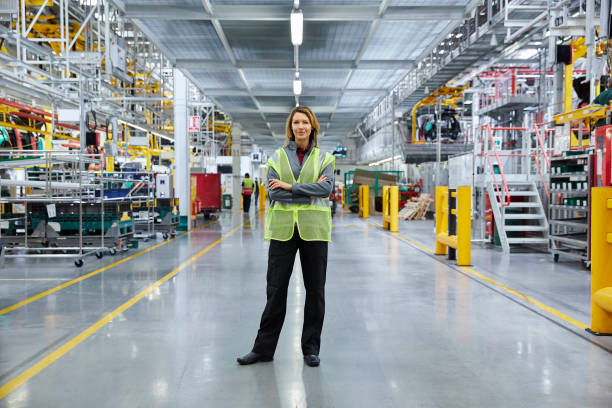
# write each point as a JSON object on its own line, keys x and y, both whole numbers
{"x": 281, "y": 256}
{"x": 246, "y": 202}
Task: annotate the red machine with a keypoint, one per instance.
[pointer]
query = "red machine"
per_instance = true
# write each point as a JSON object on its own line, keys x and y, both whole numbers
{"x": 206, "y": 193}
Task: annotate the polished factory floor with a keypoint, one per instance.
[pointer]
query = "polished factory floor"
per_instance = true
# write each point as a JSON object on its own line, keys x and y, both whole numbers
{"x": 402, "y": 328}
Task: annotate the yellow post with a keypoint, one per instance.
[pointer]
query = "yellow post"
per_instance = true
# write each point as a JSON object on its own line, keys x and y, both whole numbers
{"x": 342, "y": 196}
{"x": 364, "y": 201}
{"x": 441, "y": 217}
{"x": 601, "y": 260}
{"x": 464, "y": 225}
{"x": 568, "y": 87}
{"x": 262, "y": 198}
{"x": 391, "y": 208}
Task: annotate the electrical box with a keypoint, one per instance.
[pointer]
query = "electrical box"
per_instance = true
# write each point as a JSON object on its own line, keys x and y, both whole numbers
{"x": 9, "y": 6}
{"x": 118, "y": 60}
{"x": 163, "y": 187}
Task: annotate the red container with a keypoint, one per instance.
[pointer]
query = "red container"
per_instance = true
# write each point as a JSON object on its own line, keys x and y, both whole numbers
{"x": 206, "y": 192}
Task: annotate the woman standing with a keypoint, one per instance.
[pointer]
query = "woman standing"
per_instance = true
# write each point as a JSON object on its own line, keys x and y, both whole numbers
{"x": 300, "y": 178}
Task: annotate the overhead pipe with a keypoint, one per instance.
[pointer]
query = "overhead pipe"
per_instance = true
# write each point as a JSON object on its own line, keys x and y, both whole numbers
{"x": 604, "y": 20}
{"x": 590, "y": 44}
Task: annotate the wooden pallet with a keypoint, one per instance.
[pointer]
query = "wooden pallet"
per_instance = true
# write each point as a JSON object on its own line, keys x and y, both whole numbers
{"x": 415, "y": 210}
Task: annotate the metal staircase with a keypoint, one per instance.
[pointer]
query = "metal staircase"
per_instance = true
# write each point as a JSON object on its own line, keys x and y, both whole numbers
{"x": 521, "y": 218}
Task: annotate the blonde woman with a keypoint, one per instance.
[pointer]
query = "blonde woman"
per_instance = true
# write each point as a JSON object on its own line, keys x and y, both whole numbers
{"x": 300, "y": 180}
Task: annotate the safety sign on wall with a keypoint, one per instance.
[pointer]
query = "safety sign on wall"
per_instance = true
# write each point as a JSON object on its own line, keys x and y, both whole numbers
{"x": 194, "y": 123}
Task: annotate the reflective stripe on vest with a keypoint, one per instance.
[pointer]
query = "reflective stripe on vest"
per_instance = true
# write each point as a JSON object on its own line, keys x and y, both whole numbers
{"x": 313, "y": 220}
{"x": 247, "y": 188}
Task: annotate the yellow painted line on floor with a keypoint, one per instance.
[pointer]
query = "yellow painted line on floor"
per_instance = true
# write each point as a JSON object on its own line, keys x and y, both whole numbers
{"x": 423, "y": 247}
{"x": 507, "y": 289}
{"x": 526, "y": 298}
{"x": 16, "y": 382}
{"x": 94, "y": 273}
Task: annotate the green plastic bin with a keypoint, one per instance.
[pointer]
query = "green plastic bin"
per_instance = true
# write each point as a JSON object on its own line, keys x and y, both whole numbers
{"x": 227, "y": 201}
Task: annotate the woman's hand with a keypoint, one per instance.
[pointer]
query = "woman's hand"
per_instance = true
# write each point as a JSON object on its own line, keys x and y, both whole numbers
{"x": 275, "y": 183}
{"x": 322, "y": 179}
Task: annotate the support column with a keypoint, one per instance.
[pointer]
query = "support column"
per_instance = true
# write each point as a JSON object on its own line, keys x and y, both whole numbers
{"x": 236, "y": 171}
{"x": 181, "y": 149}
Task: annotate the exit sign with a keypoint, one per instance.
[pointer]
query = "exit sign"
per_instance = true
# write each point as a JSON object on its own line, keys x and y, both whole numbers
{"x": 194, "y": 123}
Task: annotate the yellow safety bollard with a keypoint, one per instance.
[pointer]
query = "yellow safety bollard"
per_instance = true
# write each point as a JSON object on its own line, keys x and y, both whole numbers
{"x": 601, "y": 261}
{"x": 464, "y": 225}
{"x": 456, "y": 235}
{"x": 364, "y": 201}
{"x": 262, "y": 198}
{"x": 342, "y": 196}
{"x": 391, "y": 208}
{"x": 441, "y": 218}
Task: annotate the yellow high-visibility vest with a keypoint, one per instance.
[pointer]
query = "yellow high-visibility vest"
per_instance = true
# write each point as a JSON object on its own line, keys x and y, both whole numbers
{"x": 313, "y": 220}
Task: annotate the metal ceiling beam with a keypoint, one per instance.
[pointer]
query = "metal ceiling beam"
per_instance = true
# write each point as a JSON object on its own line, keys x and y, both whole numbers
{"x": 282, "y": 92}
{"x": 281, "y": 13}
{"x": 206, "y": 64}
{"x": 284, "y": 109}
{"x": 228, "y": 49}
{"x": 380, "y": 13}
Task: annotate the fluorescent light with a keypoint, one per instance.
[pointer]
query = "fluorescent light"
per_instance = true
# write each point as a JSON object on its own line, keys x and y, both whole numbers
{"x": 297, "y": 27}
{"x": 297, "y": 84}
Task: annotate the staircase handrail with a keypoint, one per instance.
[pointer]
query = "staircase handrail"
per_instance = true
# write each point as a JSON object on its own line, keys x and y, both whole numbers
{"x": 541, "y": 144}
{"x": 499, "y": 165}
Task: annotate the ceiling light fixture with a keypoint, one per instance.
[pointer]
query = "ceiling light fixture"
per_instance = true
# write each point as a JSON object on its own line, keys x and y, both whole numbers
{"x": 297, "y": 84}
{"x": 297, "y": 26}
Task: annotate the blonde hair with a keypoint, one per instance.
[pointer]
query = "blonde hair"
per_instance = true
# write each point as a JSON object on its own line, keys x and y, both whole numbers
{"x": 314, "y": 123}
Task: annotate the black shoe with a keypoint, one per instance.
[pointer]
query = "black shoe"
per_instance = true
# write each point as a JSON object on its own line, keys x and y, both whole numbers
{"x": 252, "y": 358}
{"x": 312, "y": 360}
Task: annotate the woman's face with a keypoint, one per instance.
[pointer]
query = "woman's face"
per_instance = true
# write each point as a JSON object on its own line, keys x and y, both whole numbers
{"x": 300, "y": 125}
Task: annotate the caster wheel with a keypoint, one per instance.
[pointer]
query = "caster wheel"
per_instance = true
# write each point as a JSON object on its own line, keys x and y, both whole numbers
{"x": 113, "y": 251}
{"x": 99, "y": 255}
{"x": 556, "y": 257}
{"x": 166, "y": 236}
{"x": 78, "y": 263}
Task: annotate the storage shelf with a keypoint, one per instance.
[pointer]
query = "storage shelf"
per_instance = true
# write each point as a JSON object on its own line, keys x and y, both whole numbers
{"x": 578, "y": 240}
{"x": 569, "y": 207}
{"x": 574, "y": 241}
{"x": 566, "y": 158}
{"x": 577, "y": 192}
{"x": 559, "y": 175}
{"x": 570, "y": 222}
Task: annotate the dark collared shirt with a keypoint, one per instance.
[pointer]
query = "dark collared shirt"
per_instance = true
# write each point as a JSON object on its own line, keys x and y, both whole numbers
{"x": 302, "y": 152}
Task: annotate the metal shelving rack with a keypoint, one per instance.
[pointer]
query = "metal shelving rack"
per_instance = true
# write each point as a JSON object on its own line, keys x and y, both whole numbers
{"x": 569, "y": 210}
{"x": 51, "y": 178}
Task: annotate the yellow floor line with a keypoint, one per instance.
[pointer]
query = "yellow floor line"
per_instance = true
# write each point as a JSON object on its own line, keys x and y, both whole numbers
{"x": 423, "y": 247}
{"x": 94, "y": 273}
{"x": 526, "y": 298}
{"x": 16, "y": 382}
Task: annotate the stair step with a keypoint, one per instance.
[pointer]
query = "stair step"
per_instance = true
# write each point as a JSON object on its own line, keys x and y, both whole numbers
{"x": 524, "y": 193}
{"x": 528, "y": 240}
{"x": 523, "y": 204}
{"x": 525, "y": 228}
{"x": 524, "y": 216}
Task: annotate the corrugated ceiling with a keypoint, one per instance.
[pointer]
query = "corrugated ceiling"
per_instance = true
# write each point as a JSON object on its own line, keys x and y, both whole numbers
{"x": 256, "y": 63}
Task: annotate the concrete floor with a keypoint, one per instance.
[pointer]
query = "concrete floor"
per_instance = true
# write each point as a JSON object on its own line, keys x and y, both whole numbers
{"x": 402, "y": 329}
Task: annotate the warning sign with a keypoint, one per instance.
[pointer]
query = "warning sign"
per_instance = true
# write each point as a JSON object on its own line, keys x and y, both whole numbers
{"x": 194, "y": 123}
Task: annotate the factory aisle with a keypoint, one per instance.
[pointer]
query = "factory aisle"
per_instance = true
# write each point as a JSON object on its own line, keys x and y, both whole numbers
{"x": 401, "y": 330}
